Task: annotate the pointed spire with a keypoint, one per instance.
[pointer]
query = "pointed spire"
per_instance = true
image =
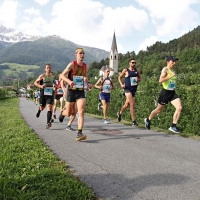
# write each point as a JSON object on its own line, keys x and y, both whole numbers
{"x": 114, "y": 44}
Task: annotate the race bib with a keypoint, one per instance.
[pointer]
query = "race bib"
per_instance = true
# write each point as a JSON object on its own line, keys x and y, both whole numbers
{"x": 48, "y": 91}
{"x": 133, "y": 81}
{"x": 78, "y": 80}
{"x": 59, "y": 91}
{"x": 172, "y": 85}
{"x": 106, "y": 88}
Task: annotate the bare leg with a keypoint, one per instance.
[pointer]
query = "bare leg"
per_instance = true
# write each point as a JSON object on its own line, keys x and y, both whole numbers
{"x": 105, "y": 108}
{"x": 177, "y": 104}
{"x": 81, "y": 110}
{"x": 156, "y": 111}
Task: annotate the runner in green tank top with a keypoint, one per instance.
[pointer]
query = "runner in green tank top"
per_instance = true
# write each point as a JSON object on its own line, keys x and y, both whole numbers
{"x": 167, "y": 94}
{"x": 45, "y": 83}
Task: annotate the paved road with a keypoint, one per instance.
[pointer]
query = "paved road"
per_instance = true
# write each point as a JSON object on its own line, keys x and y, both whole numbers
{"x": 135, "y": 164}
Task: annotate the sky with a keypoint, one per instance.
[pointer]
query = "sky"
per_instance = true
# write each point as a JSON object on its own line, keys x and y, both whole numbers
{"x": 137, "y": 24}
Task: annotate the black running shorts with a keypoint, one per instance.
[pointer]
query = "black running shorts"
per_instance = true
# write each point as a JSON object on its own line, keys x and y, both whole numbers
{"x": 74, "y": 95}
{"x": 167, "y": 96}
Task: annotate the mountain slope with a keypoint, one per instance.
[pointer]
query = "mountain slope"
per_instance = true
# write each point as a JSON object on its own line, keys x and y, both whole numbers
{"x": 51, "y": 49}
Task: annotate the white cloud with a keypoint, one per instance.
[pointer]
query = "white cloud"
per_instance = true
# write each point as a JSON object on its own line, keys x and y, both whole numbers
{"x": 171, "y": 16}
{"x": 32, "y": 11}
{"x": 33, "y": 27}
{"x": 41, "y": 2}
{"x": 8, "y": 13}
{"x": 90, "y": 23}
{"x": 148, "y": 42}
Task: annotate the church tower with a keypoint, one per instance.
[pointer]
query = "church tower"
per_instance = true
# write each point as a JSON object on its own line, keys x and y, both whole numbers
{"x": 114, "y": 55}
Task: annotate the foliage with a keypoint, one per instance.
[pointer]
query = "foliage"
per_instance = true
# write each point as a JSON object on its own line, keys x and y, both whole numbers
{"x": 29, "y": 170}
{"x": 146, "y": 100}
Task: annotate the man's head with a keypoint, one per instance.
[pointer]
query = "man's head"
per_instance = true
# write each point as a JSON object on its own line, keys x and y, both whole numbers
{"x": 79, "y": 53}
{"x": 132, "y": 62}
{"x": 48, "y": 68}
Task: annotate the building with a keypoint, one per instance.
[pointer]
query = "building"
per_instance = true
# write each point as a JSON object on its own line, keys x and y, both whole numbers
{"x": 113, "y": 59}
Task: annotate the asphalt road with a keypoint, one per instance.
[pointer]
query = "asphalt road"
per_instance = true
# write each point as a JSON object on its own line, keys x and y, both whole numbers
{"x": 121, "y": 162}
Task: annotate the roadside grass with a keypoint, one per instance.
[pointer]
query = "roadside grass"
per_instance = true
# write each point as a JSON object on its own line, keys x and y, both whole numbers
{"x": 28, "y": 168}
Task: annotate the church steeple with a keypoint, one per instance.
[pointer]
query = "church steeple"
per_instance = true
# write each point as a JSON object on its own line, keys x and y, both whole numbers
{"x": 114, "y": 55}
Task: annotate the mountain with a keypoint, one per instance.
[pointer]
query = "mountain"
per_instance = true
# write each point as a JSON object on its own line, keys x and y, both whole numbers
{"x": 15, "y": 47}
{"x": 8, "y": 35}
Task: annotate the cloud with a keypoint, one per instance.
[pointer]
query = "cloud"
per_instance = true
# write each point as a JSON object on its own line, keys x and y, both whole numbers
{"x": 148, "y": 42}
{"x": 33, "y": 27}
{"x": 171, "y": 17}
{"x": 41, "y": 2}
{"x": 8, "y": 13}
{"x": 32, "y": 11}
{"x": 90, "y": 23}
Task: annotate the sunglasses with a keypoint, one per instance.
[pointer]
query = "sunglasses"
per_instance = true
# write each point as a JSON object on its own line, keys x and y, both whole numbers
{"x": 133, "y": 62}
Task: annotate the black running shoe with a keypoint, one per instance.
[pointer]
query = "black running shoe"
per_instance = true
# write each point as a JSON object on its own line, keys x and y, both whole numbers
{"x": 38, "y": 113}
{"x": 61, "y": 118}
{"x": 174, "y": 129}
{"x": 119, "y": 117}
{"x": 135, "y": 124}
{"x": 147, "y": 123}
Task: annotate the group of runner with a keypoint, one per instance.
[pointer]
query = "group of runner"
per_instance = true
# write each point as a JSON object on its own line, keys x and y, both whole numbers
{"x": 72, "y": 84}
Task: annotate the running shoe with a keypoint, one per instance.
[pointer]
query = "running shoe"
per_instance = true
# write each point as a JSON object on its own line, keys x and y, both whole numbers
{"x": 147, "y": 123}
{"x": 61, "y": 117}
{"x": 38, "y": 113}
{"x": 119, "y": 117}
{"x": 174, "y": 129}
{"x": 69, "y": 128}
{"x": 54, "y": 116}
{"x": 99, "y": 106}
{"x": 80, "y": 136}
{"x": 134, "y": 124}
{"x": 106, "y": 121}
{"x": 48, "y": 125}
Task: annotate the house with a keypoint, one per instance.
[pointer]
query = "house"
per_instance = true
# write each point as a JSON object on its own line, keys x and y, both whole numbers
{"x": 29, "y": 87}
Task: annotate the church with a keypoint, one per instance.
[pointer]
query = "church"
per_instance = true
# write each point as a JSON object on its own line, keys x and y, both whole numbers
{"x": 113, "y": 59}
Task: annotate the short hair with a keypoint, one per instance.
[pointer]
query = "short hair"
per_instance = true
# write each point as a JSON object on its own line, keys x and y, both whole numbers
{"x": 131, "y": 59}
{"x": 47, "y": 64}
{"x": 79, "y": 49}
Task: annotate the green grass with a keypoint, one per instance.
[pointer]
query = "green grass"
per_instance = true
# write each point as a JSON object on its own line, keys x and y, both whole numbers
{"x": 15, "y": 69}
{"x": 28, "y": 169}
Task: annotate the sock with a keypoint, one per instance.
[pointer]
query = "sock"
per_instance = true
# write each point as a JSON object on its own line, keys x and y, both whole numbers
{"x": 80, "y": 130}
{"x": 49, "y": 115}
{"x": 134, "y": 121}
{"x": 173, "y": 125}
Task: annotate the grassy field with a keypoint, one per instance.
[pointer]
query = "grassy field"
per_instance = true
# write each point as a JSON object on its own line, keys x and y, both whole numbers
{"x": 29, "y": 170}
{"x": 15, "y": 69}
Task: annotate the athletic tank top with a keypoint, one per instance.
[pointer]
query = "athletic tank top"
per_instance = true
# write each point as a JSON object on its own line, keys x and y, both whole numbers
{"x": 171, "y": 83}
{"x": 130, "y": 81}
{"x": 59, "y": 90}
{"x": 48, "y": 81}
{"x": 77, "y": 75}
{"x": 106, "y": 85}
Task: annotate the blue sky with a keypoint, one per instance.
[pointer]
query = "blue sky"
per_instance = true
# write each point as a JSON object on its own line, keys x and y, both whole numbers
{"x": 137, "y": 23}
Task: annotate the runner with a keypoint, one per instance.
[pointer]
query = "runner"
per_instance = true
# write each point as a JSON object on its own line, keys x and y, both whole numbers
{"x": 35, "y": 95}
{"x": 45, "y": 83}
{"x": 167, "y": 94}
{"x": 75, "y": 74}
{"x": 58, "y": 96}
{"x": 106, "y": 84}
{"x": 132, "y": 77}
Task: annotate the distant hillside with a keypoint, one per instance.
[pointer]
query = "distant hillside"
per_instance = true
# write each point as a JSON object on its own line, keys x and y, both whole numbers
{"x": 51, "y": 49}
